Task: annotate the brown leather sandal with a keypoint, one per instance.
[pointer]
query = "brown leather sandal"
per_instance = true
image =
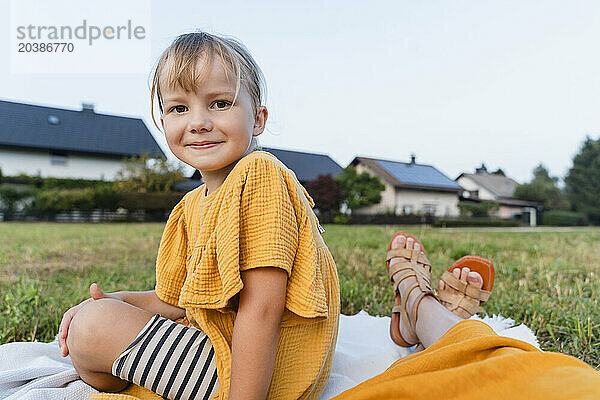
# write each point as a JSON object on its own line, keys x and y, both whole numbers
{"x": 467, "y": 297}
{"x": 401, "y": 271}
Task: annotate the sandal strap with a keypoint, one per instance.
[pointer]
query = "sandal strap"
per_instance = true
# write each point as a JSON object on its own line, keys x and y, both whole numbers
{"x": 417, "y": 256}
{"x": 404, "y": 317}
{"x": 465, "y": 289}
{"x": 423, "y": 285}
{"x": 413, "y": 258}
{"x": 454, "y": 301}
{"x": 407, "y": 270}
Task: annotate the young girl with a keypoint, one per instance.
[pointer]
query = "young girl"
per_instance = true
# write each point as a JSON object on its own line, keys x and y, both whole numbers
{"x": 241, "y": 257}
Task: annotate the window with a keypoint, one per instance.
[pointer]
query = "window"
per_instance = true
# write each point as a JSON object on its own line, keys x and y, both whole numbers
{"x": 429, "y": 209}
{"x": 58, "y": 158}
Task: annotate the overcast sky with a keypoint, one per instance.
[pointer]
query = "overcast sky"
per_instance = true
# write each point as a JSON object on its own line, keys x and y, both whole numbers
{"x": 508, "y": 83}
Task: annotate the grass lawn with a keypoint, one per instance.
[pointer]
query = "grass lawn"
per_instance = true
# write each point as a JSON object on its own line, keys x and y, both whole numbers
{"x": 549, "y": 280}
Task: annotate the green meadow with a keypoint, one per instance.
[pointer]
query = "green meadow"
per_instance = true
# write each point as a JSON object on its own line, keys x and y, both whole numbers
{"x": 548, "y": 279}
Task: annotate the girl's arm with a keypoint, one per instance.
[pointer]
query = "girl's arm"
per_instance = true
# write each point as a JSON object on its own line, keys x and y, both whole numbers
{"x": 256, "y": 332}
{"x": 149, "y": 301}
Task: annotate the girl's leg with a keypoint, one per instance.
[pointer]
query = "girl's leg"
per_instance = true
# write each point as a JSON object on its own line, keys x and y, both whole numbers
{"x": 98, "y": 334}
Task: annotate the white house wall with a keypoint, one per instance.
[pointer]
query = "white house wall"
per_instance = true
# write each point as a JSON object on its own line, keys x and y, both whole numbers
{"x": 39, "y": 163}
{"x": 445, "y": 203}
{"x": 395, "y": 200}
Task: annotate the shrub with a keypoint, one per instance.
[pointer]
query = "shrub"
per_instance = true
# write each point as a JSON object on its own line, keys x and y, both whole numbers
{"x": 477, "y": 209}
{"x": 391, "y": 219}
{"x": 102, "y": 196}
{"x": 152, "y": 202}
{"x": 55, "y": 200}
{"x": 341, "y": 219}
{"x": 563, "y": 218}
{"x": 10, "y": 197}
{"x": 146, "y": 175}
{"x": 474, "y": 222}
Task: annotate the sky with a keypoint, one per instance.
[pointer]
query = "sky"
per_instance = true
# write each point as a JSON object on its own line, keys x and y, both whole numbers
{"x": 508, "y": 83}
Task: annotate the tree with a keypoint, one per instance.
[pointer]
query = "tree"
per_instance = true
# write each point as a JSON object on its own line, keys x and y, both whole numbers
{"x": 499, "y": 171}
{"x": 326, "y": 193}
{"x": 359, "y": 190}
{"x": 142, "y": 174}
{"x": 543, "y": 189}
{"x": 582, "y": 182}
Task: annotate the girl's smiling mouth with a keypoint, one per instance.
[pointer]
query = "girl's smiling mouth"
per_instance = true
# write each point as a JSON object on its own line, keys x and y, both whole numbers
{"x": 203, "y": 144}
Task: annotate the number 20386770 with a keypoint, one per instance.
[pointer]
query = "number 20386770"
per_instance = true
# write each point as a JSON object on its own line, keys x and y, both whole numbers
{"x": 54, "y": 47}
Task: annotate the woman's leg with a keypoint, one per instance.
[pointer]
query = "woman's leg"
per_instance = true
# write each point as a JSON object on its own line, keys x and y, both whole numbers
{"x": 98, "y": 334}
{"x": 433, "y": 319}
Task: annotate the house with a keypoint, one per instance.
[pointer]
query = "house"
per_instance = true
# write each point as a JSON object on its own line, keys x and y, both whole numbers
{"x": 410, "y": 188}
{"x": 306, "y": 166}
{"x": 483, "y": 186}
{"x": 56, "y": 142}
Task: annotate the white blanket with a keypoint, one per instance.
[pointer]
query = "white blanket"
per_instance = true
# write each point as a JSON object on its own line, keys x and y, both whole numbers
{"x": 364, "y": 349}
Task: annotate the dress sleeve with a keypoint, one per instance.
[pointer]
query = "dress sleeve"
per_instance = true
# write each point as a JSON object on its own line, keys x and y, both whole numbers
{"x": 267, "y": 225}
{"x": 268, "y": 221}
{"x": 172, "y": 256}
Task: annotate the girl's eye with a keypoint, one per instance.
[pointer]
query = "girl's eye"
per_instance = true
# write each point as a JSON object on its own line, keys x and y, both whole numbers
{"x": 178, "y": 109}
{"x": 221, "y": 104}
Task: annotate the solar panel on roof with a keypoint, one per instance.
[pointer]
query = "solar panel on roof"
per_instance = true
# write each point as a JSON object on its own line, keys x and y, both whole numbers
{"x": 416, "y": 174}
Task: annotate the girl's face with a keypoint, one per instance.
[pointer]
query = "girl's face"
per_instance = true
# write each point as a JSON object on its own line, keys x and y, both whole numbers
{"x": 204, "y": 129}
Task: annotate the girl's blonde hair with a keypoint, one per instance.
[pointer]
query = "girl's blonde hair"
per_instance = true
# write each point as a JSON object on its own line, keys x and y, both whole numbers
{"x": 181, "y": 60}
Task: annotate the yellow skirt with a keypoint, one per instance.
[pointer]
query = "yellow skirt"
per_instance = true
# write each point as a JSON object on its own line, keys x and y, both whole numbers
{"x": 471, "y": 362}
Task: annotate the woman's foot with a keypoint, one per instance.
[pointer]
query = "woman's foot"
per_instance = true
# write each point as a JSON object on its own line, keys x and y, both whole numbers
{"x": 470, "y": 278}
{"x": 411, "y": 290}
{"x": 466, "y": 285}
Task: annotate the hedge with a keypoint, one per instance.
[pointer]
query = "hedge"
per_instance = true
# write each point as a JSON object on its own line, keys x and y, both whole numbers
{"x": 153, "y": 202}
{"x": 390, "y": 219}
{"x": 563, "y": 218}
{"x": 474, "y": 222}
{"x": 103, "y": 197}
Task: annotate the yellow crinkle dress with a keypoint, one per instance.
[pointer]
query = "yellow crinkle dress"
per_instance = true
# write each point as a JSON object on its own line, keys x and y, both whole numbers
{"x": 259, "y": 217}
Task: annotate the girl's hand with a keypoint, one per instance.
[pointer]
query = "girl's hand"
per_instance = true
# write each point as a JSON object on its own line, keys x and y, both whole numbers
{"x": 63, "y": 329}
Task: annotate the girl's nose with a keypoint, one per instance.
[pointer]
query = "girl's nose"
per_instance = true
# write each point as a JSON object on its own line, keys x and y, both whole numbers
{"x": 199, "y": 122}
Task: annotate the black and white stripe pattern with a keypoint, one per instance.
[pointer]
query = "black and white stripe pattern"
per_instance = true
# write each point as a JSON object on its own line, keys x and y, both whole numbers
{"x": 173, "y": 360}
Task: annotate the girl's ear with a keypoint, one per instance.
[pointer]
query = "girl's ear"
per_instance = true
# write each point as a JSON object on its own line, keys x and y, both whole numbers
{"x": 260, "y": 120}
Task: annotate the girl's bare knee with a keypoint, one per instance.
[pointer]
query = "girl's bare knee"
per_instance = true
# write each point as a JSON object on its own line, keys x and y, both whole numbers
{"x": 86, "y": 328}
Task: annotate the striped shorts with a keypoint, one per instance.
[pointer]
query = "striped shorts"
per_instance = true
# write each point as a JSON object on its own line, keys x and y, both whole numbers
{"x": 171, "y": 359}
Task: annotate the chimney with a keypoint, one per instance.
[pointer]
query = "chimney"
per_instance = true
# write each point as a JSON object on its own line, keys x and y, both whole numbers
{"x": 87, "y": 106}
{"x": 413, "y": 159}
{"x": 481, "y": 170}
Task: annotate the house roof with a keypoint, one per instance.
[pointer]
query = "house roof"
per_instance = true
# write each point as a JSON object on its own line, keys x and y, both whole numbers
{"x": 500, "y": 186}
{"x": 410, "y": 175}
{"x": 33, "y": 126}
{"x": 306, "y": 166}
